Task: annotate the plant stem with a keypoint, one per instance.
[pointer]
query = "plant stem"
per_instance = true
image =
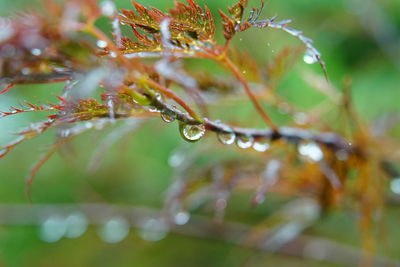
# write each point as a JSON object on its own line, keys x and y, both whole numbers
{"x": 238, "y": 75}
{"x": 176, "y": 98}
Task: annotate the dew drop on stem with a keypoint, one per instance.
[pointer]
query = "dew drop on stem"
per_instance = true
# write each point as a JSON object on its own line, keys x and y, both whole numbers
{"x": 311, "y": 151}
{"x": 77, "y": 225}
{"x": 36, "y": 52}
{"x": 53, "y": 229}
{"x": 114, "y": 230}
{"x": 152, "y": 109}
{"x": 153, "y": 230}
{"x": 261, "y": 145}
{"x": 101, "y": 43}
{"x": 192, "y": 133}
{"x": 244, "y": 141}
{"x": 310, "y": 57}
{"x": 167, "y": 116}
{"x": 227, "y": 138}
{"x": 181, "y": 218}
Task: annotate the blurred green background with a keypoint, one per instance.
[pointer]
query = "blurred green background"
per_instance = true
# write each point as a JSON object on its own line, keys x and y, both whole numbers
{"x": 357, "y": 39}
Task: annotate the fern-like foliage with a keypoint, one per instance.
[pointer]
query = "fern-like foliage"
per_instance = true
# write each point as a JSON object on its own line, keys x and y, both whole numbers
{"x": 62, "y": 44}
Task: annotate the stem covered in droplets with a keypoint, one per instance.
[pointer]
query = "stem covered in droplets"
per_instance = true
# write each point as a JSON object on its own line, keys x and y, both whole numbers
{"x": 294, "y": 135}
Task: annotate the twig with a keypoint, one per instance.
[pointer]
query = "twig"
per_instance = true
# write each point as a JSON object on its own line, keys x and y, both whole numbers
{"x": 328, "y": 139}
{"x": 303, "y": 246}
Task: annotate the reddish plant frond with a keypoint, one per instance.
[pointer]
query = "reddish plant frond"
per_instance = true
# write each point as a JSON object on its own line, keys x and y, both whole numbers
{"x": 8, "y": 87}
{"x": 193, "y": 20}
{"x": 25, "y": 134}
{"x": 146, "y": 19}
{"x": 236, "y": 23}
{"x": 310, "y": 160}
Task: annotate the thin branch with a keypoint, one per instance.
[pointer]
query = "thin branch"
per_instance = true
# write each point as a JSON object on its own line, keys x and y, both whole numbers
{"x": 328, "y": 139}
{"x": 39, "y": 78}
{"x": 303, "y": 246}
{"x": 235, "y": 71}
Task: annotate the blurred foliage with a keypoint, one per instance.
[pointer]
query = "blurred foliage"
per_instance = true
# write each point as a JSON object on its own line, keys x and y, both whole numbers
{"x": 136, "y": 172}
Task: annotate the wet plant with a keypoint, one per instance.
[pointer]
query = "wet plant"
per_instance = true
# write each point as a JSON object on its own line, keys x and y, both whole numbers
{"x": 144, "y": 74}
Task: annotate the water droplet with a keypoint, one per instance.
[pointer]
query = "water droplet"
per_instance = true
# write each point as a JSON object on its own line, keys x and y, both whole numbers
{"x": 158, "y": 96}
{"x": 77, "y": 224}
{"x": 113, "y": 54}
{"x": 153, "y": 230}
{"x": 152, "y": 109}
{"x": 261, "y": 146}
{"x": 89, "y": 125}
{"x": 310, "y": 57}
{"x": 115, "y": 230}
{"x": 268, "y": 44}
{"x": 244, "y": 71}
{"x": 227, "y": 138}
{"x": 107, "y": 8}
{"x": 110, "y": 107}
{"x": 244, "y": 141}
{"x": 101, "y": 43}
{"x": 241, "y": 39}
{"x": 25, "y": 71}
{"x": 311, "y": 151}
{"x": 53, "y": 229}
{"x": 167, "y": 116}
{"x": 192, "y": 133}
{"x": 395, "y": 186}
{"x": 182, "y": 218}
{"x": 36, "y": 52}
{"x": 300, "y": 118}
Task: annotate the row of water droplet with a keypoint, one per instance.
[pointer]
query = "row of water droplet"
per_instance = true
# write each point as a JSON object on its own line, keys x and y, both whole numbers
{"x": 192, "y": 133}
{"x": 112, "y": 230}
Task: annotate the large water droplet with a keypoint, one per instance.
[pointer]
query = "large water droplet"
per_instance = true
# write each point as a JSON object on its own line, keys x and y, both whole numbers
{"x": 261, "y": 146}
{"x": 115, "y": 230}
{"x": 53, "y": 229}
{"x": 227, "y": 138}
{"x": 311, "y": 151}
{"x": 310, "y": 57}
{"x": 244, "y": 141}
{"x": 167, "y": 116}
{"x": 153, "y": 230}
{"x": 77, "y": 224}
{"x": 192, "y": 133}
